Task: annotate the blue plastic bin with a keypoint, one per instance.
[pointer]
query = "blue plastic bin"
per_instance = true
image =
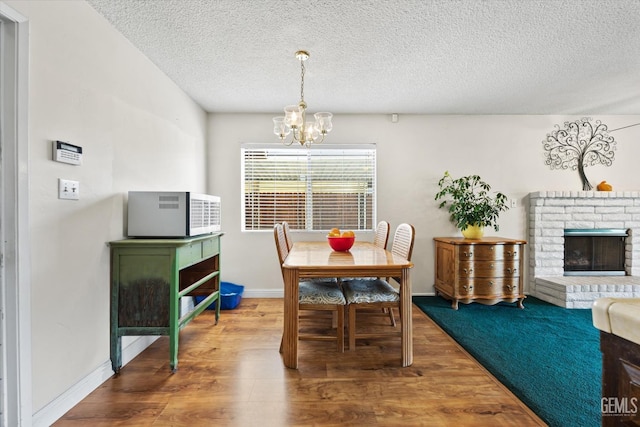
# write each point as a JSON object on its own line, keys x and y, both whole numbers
{"x": 230, "y": 296}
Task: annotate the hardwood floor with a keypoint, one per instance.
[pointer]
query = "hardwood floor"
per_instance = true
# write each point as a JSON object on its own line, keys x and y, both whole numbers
{"x": 232, "y": 375}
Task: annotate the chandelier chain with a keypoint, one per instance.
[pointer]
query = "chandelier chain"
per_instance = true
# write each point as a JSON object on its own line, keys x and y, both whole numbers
{"x": 302, "y": 81}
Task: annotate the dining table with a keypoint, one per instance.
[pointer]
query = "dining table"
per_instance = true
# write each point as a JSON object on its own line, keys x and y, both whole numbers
{"x": 316, "y": 259}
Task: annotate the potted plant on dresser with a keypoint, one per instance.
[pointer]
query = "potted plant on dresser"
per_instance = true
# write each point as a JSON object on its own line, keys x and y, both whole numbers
{"x": 470, "y": 203}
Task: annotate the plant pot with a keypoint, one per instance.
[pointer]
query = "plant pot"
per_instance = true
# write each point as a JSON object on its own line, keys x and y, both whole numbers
{"x": 473, "y": 232}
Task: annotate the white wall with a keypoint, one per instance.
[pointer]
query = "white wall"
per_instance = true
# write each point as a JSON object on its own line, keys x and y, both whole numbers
{"x": 413, "y": 154}
{"x": 90, "y": 87}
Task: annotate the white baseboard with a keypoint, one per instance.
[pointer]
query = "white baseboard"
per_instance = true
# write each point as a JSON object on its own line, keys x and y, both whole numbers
{"x": 70, "y": 398}
{"x": 263, "y": 293}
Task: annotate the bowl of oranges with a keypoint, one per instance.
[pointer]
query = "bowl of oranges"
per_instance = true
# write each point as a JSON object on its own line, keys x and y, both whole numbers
{"x": 341, "y": 241}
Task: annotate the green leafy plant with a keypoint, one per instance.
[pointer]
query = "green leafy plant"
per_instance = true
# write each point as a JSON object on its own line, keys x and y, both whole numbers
{"x": 470, "y": 202}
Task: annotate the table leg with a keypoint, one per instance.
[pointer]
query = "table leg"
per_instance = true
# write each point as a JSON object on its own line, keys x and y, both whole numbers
{"x": 173, "y": 349}
{"x": 174, "y": 326}
{"x": 405, "y": 318}
{"x": 290, "y": 334}
{"x": 116, "y": 341}
{"x": 116, "y": 351}
{"x": 218, "y": 303}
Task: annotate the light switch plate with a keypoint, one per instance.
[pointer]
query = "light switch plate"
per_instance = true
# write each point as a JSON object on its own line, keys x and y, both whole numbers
{"x": 68, "y": 190}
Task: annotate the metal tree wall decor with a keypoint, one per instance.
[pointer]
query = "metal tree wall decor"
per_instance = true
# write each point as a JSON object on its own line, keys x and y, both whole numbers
{"x": 580, "y": 144}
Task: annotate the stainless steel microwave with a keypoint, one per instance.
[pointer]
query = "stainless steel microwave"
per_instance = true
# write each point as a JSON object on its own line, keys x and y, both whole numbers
{"x": 172, "y": 214}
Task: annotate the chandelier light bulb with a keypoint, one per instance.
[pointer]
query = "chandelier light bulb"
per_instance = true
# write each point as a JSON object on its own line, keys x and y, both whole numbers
{"x": 323, "y": 122}
{"x": 311, "y": 132}
{"x": 293, "y": 116}
{"x": 280, "y": 128}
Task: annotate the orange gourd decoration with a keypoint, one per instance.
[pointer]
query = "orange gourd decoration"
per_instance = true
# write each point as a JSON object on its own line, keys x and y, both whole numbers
{"x": 604, "y": 186}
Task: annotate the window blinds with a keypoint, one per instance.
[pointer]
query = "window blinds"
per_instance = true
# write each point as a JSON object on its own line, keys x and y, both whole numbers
{"x": 311, "y": 188}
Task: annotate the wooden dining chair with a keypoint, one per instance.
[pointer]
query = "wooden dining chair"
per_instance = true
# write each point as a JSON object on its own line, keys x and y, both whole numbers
{"x": 378, "y": 293}
{"x": 380, "y": 239}
{"x": 315, "y": 295}
{"x": 287, "y": 234}
{"x": 382, "y": 235}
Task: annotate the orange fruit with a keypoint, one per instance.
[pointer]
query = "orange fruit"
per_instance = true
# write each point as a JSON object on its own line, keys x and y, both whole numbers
{"x": 348, "y": 233}
{"x": 335, "y": 232}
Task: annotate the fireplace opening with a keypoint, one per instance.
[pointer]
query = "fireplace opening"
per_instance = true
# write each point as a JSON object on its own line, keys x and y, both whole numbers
{"x": 594, "y": 252}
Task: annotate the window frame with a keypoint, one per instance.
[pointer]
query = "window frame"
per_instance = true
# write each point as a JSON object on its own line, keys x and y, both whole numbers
{"x": 308, "y": 151}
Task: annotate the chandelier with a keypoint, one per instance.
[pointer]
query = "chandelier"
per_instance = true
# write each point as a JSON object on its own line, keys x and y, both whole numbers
{"x": 295, "y": 120}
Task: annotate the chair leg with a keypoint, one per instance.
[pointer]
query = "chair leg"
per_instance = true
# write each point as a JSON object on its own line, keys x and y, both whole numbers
{"x": 392, "y": 317}
{"x": 352, "y": 326}
{"x": 340, "y": 328}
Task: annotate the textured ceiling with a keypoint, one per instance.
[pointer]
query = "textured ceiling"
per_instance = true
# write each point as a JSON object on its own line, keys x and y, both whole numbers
{"x": 394, "y": 56}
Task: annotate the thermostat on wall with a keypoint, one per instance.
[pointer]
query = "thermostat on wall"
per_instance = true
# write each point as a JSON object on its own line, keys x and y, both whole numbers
{"x": 67, "y": 153}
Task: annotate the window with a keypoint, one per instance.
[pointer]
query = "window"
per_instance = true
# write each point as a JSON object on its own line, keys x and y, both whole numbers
{"x": 313, "y": 189}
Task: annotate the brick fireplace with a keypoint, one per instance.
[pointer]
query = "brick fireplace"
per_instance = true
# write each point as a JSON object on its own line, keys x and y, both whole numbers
{"x": 550, "y": 213}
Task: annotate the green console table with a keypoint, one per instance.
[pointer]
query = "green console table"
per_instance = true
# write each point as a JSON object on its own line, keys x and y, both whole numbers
{"x": 148, "y": 279}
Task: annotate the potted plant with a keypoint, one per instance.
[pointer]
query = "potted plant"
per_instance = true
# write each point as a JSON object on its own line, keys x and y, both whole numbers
{"x": 471, "y": 205}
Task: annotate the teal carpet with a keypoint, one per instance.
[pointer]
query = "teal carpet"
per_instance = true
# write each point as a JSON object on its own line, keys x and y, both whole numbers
{"x": 546, "y": 355}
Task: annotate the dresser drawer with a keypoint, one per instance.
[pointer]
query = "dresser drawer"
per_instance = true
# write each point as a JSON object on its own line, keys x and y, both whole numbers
{"x": 189, "y": 254}
{"x": 486, "y": 287}
{"x": 466, "y": 287}
{"x": 511, "y": 288}
{"x": 512, "y": 252}
{"x": 480, "y": 287}
{"x": 509, "y": 268}
{"x": 210, "y": 247}
{"x": 488, "y": 252}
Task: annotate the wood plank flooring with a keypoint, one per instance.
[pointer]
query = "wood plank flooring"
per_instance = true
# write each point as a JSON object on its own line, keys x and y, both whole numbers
{"x": 232, "y": 375}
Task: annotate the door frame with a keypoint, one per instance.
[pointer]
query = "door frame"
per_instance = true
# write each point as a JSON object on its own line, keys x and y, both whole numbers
{"x": 15, "y": 290}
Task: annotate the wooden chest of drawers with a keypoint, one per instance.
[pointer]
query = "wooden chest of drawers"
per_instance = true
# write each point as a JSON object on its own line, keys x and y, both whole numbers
{"x": 486, "y": 270}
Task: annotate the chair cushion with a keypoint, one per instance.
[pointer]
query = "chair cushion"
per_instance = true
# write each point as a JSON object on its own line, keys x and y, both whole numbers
{"x": 360, "y": 291}
{"x": 320, "y": 292}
